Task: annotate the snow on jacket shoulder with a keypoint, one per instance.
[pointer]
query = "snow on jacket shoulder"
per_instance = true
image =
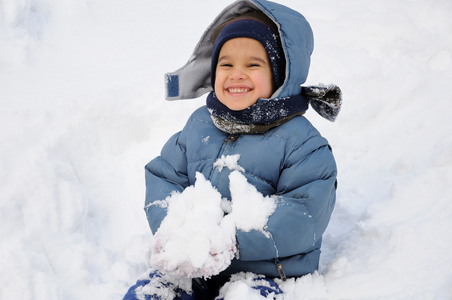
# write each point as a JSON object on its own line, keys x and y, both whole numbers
{"x": 292, "y": 161}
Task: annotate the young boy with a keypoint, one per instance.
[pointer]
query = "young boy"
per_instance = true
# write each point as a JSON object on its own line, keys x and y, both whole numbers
{"x": 255, "y": 56}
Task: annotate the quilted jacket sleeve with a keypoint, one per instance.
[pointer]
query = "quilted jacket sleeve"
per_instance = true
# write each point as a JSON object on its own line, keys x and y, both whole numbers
{"x": 306, "y": 194}
{"x": 165, "y": 174}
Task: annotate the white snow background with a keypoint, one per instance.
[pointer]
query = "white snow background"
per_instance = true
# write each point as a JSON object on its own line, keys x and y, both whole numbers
{"x": 83, "y": 110}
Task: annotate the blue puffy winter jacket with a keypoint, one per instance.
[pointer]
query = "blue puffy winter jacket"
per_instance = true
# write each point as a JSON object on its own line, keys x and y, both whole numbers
{"x": 291, "y": 161}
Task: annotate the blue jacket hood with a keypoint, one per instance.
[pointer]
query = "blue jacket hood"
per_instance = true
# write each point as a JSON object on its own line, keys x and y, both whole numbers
{"x": 193, "y": 79}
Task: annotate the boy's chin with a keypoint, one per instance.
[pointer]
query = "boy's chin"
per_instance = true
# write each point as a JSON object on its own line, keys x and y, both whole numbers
{"x": 238, "y": 105}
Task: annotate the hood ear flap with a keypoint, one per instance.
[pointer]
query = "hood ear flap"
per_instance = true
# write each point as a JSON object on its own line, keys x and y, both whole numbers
{"x": 325, "y": 100}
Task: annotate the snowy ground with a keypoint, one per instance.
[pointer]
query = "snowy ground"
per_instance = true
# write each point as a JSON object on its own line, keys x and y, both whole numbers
{"x": 82, "y": 111}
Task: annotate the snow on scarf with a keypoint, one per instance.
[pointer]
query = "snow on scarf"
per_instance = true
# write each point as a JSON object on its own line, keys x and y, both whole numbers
{"x": 267, "y": 114}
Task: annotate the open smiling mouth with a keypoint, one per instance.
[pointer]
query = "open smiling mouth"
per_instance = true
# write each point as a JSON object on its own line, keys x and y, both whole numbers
{"x": 238, "y": 90}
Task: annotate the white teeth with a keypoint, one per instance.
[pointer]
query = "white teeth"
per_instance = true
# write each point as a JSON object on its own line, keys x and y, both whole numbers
{"x": 238, "y": 90}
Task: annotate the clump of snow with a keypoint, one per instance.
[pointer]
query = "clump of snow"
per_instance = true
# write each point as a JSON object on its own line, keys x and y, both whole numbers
{"x": 240, "y": 286}
{"x": 194, "y": 240}
{"x": 163, "y": 285}
{"x": 228, "y": 161}
{"x": 250, "y": 209}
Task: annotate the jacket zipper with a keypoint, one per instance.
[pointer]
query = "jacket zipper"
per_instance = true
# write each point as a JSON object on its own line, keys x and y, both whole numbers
{"x": 213, "y": 174}
{"x": 231, "y": 138}
{"x": 279, "y": 266}
{"x": 280, "y": 269}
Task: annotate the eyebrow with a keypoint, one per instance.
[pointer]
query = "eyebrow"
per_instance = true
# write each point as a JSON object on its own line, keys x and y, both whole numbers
{"x": 258, "y": 59}
{"x": 225, "y": 57}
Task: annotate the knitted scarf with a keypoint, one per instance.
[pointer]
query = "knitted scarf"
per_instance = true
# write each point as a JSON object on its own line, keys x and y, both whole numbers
{"x": 267, "y": 114}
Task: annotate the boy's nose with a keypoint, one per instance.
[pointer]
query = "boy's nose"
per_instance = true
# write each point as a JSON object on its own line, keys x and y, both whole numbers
{"x": 237, "y": 74}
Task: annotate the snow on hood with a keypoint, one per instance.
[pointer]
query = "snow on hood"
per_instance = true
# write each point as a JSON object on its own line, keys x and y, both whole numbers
{"x": 193, "y": 79}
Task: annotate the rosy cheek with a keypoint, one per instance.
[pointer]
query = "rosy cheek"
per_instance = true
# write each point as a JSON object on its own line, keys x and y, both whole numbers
{"x": 217, "y": 83}
{"x": 262, "y": 81}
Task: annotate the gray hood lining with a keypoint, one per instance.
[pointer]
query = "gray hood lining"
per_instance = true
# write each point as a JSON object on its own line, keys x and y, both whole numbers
{"x": 193, "y": 79}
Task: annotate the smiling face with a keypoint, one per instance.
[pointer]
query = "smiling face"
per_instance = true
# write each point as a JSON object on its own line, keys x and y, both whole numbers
{"x": 243, "y": 73}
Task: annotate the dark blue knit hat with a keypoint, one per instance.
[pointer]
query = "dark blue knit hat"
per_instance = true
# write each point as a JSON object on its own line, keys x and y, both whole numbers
{"x": 259, "y": 31}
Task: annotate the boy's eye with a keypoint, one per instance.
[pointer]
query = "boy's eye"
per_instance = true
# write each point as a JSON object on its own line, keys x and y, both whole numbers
{"x": 253, "y": 65}
{"x": 226, "y": 65}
